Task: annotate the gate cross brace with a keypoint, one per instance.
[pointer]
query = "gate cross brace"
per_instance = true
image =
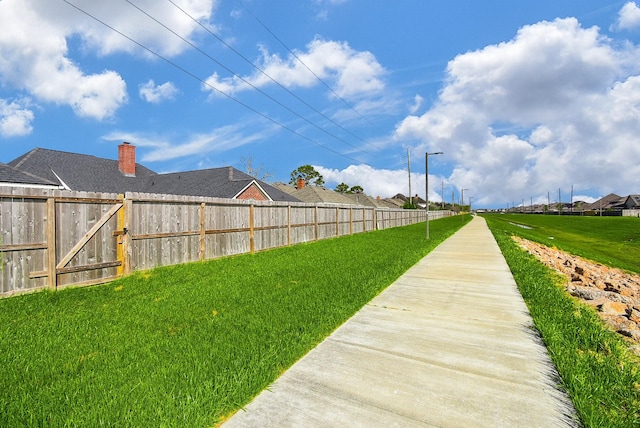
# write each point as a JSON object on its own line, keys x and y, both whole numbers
{"x": 87, "y": 236}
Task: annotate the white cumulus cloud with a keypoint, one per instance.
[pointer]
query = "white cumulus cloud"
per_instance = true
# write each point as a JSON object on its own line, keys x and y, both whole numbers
{"x": 385, "y": 183}
{"x": 352, "y": 74}
{"x": 15, "y": 118}
{"x": 628, "y": 17}
{"x": 152, "y": 93}
{"x": 556, "y": 106}
{"x": 35, "y": 57}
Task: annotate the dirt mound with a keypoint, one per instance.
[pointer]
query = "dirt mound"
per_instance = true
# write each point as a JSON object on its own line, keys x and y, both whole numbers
{"x": 614, "y": 293}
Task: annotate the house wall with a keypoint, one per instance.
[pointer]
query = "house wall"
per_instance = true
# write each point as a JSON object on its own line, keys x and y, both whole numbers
{"x": 253, "y": 192}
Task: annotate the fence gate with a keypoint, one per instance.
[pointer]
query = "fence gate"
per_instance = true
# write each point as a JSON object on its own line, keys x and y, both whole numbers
{"x": 82, "y": 242}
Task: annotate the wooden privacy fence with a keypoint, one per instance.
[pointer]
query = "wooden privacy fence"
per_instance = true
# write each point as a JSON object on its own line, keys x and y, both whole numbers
{"x": 53, "y": 239}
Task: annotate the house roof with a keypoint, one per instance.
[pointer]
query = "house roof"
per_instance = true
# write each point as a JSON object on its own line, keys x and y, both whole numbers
{"x": 225, "y": 182}
{"x": 393, "y": 202}
{"x": 632, "y": 201}
{"x": 366, "y": 200}
{"x": 11, "y": 175}
{"x": 93, "y": 174}
{"x": 315, "y": 194}
{"x": 81, "y": 172}
{"x": 609, "y": 201}
{"x": 320, "y": 194}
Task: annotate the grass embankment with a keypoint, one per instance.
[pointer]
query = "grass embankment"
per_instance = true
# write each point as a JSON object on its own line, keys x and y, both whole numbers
{"x": 598, "y": 371}
{"x": 614, "y": 241}
{"x": 187, "y": 345}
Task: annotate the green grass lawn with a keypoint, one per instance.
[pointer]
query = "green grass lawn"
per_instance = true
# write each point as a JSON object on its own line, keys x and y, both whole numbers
{"x": 598, "y": 370}
{"x": 188, "y": 345}
{"x": 614, "y": 241}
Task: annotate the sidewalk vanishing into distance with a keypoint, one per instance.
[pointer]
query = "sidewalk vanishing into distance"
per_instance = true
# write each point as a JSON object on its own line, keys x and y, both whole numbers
{"x": 449, "y": 344}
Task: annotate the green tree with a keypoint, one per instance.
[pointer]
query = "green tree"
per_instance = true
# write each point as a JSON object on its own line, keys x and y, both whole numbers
{"x": 308, "y": 174}
{"x": 356, "y": 189}
{"x": 342, "y": 188}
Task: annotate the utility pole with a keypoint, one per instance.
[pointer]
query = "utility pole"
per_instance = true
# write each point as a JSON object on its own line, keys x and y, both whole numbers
{"x": 548, "y": 202}
{"x": 426, "y": 173}
{"x": 559, "y": 202}
{"x": 462, "y": 200}
{"x": 442, "y": 192}
{"x": 571, "y": 199}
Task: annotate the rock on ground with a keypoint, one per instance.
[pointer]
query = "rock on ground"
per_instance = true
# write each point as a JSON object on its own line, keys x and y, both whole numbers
{"x": 614, "y": 293}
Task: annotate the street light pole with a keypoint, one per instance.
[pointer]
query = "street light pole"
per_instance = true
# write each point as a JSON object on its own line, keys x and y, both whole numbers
{"x": 426, "y": 170}
{"x": 462, "y": 203}
{"x": 462, "y": 200}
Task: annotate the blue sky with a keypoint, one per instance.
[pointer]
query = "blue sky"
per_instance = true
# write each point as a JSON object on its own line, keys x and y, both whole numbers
{"x": 523, "y": 98}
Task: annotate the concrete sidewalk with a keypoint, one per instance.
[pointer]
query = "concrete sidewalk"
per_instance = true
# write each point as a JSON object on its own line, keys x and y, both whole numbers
{"x": 449, "y": 344}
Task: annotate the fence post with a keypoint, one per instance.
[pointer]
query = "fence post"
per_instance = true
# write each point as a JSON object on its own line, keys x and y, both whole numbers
{"x": 315, "y": 221}
{"x": 52, "y": 276}
{"x": 337, "y": 221}
{"x": 120, "y": 227}
{"x": 350, "y": 221}
{"x": 375, "y": 219}
{"x": 202, "y": 232}
{"x": 288, "y": 225}
{"x": 252, "y": 245}
{"x": 127, "y": 211}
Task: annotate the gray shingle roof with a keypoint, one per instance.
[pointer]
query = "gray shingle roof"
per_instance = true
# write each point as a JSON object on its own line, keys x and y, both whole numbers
{"x": 224, "y": 182}
{"x": 11, "y": 175}
{"x": 93, "y": 174}
{"x": 81, "y": 172}
{"x": 317, "y": 194}
{"x": 609, "y": 201}
{"x": 632, "y": 201}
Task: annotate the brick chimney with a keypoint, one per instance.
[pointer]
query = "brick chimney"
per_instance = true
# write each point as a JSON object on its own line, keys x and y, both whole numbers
{"x": 127, "y": 159}
{"x": 300, "y": 183}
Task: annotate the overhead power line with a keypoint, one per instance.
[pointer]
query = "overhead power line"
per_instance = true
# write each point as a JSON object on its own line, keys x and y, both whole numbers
{"x": 264, "y": 73}
{"x": 204, "y": 82}
{"x": 352, "y": 108}
{"x": 290, "y": 110}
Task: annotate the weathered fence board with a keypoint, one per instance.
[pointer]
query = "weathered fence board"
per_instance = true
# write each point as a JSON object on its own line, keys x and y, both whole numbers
{"x": 52, "y": 238}
{"x": 22, "y": 234}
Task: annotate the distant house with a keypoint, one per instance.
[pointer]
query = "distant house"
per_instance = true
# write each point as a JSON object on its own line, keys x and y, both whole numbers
{"x": 611, "y": 202}
{"x": 318, "y": 194}
{"x": 632, "y": 202}
{"x": 73, "y": 171}
{"x": 365, "y": 200}
{"x": 315, "y": 194}
{"x": 416, "y": 200}
{"x": 10, "y": 176}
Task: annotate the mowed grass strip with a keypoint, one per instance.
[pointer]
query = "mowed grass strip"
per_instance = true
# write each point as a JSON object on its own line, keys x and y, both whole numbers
{"x": 188, "y": 345}
{"x": 599, "y": 372}
{"x": 614, "y": 241}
